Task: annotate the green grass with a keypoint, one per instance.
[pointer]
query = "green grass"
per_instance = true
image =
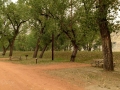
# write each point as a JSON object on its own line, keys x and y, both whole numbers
{"x": 60, "y": 56}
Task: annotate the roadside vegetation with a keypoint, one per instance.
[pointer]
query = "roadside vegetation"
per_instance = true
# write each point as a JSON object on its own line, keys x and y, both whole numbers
{"x": 60, "y": 56}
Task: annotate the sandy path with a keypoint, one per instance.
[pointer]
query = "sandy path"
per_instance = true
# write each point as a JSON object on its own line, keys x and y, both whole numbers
{"x": 26, "y": 77}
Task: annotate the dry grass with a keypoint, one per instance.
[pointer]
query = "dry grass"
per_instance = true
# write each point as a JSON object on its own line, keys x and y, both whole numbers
{"x": 60, "y": 56}
{"x": 90, "y": 77}
{"x": 63, "y": 56}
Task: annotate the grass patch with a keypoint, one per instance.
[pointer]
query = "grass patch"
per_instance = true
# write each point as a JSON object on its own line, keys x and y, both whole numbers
{"x": 60, "y": 56}
{"x": 89, "y": 76}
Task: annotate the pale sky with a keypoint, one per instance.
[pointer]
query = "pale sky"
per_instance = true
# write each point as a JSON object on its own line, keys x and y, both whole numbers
{"x": 14, "y": 1}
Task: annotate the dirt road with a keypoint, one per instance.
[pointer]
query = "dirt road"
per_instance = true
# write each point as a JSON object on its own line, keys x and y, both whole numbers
{"x": 34, "y": 77}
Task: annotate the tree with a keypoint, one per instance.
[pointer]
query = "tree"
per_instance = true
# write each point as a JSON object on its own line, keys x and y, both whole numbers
{"x": 39, "y": 22}
{"x": 14, "y": 13}
{"x": 4, "y": 27}
{"x": 39, "y": 27}
{"x": 65, "y": 23}
{"x": 89, "y": 25}
{"x": 103, "y": 8}
{"x": 43, "y": 23}
{"x": 69, "y": 19}
{"x": 78, "y": 24}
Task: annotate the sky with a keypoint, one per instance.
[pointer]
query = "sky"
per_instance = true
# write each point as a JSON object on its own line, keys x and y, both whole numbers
{"x": 14, "y": 1}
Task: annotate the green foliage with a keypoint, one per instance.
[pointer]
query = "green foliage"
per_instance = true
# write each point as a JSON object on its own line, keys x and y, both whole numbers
{"x": 25, "y": 42}
{"x": 112, "y": 7}
{"x": 55, "y": 17}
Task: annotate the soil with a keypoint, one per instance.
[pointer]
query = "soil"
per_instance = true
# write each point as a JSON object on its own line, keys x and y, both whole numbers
{"x": 35, "y": 77}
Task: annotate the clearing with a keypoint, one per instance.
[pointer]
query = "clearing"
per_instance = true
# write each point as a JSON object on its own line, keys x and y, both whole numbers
{"x": 57, "y": 76}
{"x": 30, "y": 77}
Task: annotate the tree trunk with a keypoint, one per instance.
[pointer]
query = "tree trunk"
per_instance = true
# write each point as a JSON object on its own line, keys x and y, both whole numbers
{"x": 52, "y": 46}
{"x": 36, "y": 48}
{"x": 4, "y": 50}
{"x": 106, "y": 47}
{"x": 75, "y": 49}
{"x": 42, "y": 52}
{"x": 11, "y": 48}
{"x": 105, "y": 35}
{"x": 107, "y": 51}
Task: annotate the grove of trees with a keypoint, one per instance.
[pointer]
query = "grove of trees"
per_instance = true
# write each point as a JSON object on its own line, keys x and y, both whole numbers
{"x": 39, "y": 25}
